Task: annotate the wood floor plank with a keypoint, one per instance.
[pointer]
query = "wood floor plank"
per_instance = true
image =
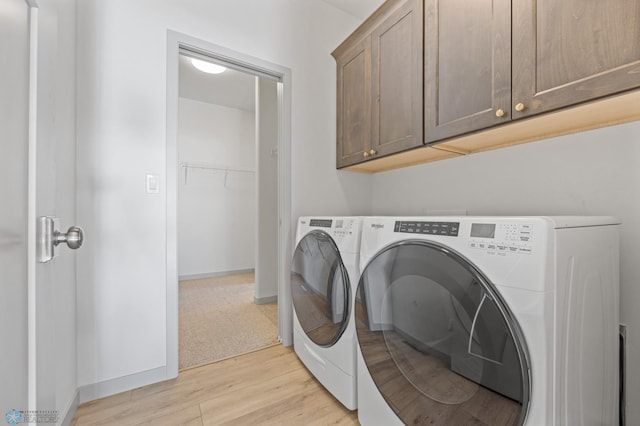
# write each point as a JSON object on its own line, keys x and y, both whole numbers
{"x": 319, "y": 403}
{"x": 270, "y": 386}
{"x": 95, "y": 408}
{"x": 297, "y": 403}
{"x": 219, "y": 378}
{"x": 257, "y": 398}
{"x": 188, "y": 417}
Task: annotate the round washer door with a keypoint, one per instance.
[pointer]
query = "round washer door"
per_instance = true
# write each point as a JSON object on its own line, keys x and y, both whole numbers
{"x": 438, "y": 341}
{"x": 320, "y": 288}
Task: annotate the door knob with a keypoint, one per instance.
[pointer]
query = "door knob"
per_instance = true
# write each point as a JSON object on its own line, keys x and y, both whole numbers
{"x": 48, "y": 238}
{"x": 73, "y": 237}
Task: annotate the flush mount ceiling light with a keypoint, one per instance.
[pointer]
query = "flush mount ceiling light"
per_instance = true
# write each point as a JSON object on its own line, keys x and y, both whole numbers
{"x": 207, "y": 67}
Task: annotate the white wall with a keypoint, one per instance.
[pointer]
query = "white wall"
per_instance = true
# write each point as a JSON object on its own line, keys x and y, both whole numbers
{"x": 216, "y": 208}
{"x": 122, "y": 84}
{"x": 591, "y": 173}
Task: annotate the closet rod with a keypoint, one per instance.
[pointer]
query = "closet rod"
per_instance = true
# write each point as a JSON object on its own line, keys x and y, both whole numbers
{"x": 207, "y": 167}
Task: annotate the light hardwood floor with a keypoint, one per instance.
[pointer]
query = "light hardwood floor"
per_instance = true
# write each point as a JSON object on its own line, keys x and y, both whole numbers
{"x": 266, "y": 387}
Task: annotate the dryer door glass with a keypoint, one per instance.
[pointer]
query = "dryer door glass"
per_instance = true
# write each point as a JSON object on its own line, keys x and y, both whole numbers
{"x": 320, "y": 288}
{"x": 438, "y": 341}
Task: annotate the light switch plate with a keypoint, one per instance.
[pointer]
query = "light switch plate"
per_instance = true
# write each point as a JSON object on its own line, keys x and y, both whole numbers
{"x": 153, "y": 183}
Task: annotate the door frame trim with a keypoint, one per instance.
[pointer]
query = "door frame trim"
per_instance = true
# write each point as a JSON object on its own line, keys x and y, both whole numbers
{"x": 176, "y": 41}
{"x": 32, "y": 391}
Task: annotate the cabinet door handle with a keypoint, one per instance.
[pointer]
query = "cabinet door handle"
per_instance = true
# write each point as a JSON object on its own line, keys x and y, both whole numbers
{"x": 365, "y": 154}
{"x": 500, "y": 113}
{"x": 373, "y": 152}
{"x": 520, "y": 106}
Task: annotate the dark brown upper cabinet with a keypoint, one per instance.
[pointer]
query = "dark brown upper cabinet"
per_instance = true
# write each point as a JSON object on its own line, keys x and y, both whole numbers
{"x": 467, "y": 76}
{"x": 379, "y": 82}
{"x": 571, "y": 51}
{"x": 467, "y": 65}
{"x": 489, "y": 62}
{"x": 354, "y": 103}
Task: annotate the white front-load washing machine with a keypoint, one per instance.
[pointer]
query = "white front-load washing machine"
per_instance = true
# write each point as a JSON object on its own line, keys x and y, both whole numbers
{"x": 488, "y": 321}
{"x": 324, "y": 273}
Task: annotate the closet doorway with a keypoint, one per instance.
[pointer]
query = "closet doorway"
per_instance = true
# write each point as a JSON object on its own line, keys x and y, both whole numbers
{"x": 227, "y": 210}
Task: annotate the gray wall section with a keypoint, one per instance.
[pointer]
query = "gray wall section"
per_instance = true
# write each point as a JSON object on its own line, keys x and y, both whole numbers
{"x": 267, "y": 184}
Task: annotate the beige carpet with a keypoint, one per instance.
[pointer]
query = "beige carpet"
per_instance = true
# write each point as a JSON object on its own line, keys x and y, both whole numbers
{"x": 218, "y": 319}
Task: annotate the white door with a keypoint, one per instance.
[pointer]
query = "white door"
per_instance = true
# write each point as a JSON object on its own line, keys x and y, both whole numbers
{"x": 37, "y": 162}
{"x": 14, "y": 139}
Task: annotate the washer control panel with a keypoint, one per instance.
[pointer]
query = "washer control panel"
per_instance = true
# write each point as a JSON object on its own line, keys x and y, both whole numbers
{"x": 502, "y": 238}
{"x": 338, "y": 227}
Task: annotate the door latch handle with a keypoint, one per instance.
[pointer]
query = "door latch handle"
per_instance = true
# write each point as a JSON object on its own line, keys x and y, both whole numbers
{"x": 49, "y": 238}
{"x": 73, "y": 238}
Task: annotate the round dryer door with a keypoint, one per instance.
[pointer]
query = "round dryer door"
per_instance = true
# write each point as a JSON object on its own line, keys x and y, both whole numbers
{"x": 438, "y": 341}
{"x": 320, "y": 288}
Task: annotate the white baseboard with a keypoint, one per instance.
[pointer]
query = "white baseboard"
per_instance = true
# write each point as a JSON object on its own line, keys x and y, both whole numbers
{"x": 265, "y": 300}
{"x": 121, "y": 384}
{"x": 186, "y": 277}
{"x": 71, "y": 410}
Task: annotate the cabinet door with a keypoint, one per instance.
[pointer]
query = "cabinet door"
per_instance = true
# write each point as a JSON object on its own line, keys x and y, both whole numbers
{"x": 570, "y": 51}
{"x": 354, "y": 104}
{"x": 396, "y": 54}
{"x": 467, "y": 64}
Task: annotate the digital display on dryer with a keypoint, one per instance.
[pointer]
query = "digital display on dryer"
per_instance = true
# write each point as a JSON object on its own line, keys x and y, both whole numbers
{"x": 483, "y": 230}
{"x": 324, "y": 223}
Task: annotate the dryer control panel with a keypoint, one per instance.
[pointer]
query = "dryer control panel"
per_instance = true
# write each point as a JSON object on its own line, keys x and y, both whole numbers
{"x": 449, "y": 229}
{"x": 502, "y": 238}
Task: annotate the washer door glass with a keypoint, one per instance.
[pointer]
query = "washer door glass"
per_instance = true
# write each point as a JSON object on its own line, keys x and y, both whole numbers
{"x": 320, "y": 288}
{"x": 438, "y": 341}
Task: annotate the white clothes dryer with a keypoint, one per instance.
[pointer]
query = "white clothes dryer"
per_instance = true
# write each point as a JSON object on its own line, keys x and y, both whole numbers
{"x": 488, "y": 320}
{"x": 324, "y": 273}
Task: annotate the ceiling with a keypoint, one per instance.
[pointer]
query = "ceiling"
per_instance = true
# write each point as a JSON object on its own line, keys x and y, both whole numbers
{"x": 361, "y": 9}
{"x": 235, "y": 89}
